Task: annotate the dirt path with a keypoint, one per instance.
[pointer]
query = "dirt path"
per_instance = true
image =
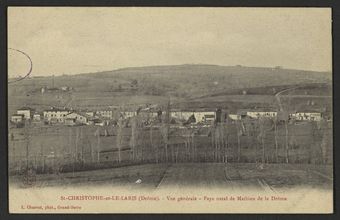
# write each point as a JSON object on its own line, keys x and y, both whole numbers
{"x": 277, "y": 95}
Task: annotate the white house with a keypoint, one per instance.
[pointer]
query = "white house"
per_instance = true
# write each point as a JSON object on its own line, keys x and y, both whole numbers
{"x": 234, "y": 117}
{"x": 181, "y": 115}
{"x": 306, "y": 116}
{"x": 76, "y": 118}
{"x": 128, "y": 114}
{"x": 209, "y": 118}
{"x": 36, "y": 117}
{"x": 89, "y": 113}
{"x": 258, "y": 114}
{"x": 26, "y": 112}
{"x": 105, "y": 113}
{"x": 205, "y": 116}
{"x": 55, "y": 115}
{"x": 16, "y": 118}
{"x": 200, "y": 116}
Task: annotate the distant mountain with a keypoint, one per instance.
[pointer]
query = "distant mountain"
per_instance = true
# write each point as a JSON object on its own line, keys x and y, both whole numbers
{"x": 188, "y": 80}
{"x": 212, "y": 69}
{"x": 191, "y": 85}
{"x": 198, "y": 78}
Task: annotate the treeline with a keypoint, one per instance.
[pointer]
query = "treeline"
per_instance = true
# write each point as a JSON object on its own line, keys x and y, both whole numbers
{"x": 245, "y": 141}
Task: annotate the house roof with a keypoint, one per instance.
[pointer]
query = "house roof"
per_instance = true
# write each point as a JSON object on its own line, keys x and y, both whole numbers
{"x": 307, "y": 112}
{"x": 78, "y": 113}
{"x": 197, "y": 110}
{"x": 262, "y": 110}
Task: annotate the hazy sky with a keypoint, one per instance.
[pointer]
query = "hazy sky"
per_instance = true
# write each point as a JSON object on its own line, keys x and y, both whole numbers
{"x": 78, "y": 40}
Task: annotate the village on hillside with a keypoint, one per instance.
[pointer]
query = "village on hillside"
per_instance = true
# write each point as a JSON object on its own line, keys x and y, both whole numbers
{"x": 74, "y": 117}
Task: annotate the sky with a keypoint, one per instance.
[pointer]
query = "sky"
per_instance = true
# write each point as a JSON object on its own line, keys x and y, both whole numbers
{"x": 65, "y": 40}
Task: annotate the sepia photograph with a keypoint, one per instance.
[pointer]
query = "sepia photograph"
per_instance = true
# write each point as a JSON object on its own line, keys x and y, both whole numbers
{"x": 170, "y": 110}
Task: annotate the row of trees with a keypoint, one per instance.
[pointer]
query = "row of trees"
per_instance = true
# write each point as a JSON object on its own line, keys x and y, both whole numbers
{"x": 227, "y": 141}
{"x": 165, "y": 144}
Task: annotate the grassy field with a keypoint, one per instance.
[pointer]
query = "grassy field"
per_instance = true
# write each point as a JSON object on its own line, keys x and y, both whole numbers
{"x": 235, "y": 176}
{"x": 78, "y": 148}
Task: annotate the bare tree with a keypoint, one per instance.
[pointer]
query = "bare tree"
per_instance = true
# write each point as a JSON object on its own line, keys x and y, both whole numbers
{"x": 262, "y": 136}
{"x": 76, "y": 146}
{"x": 134, "y": 141}
{"x": 167, "y": 129}
{"x": 27, "y": 140}
{"x": 226, "y": 137}
{"x": 193, "y": 143}
{"x": 91, "y": 150}
{"x": 82, "y": 158}
{"x": 98, "y": 145}
{"x": 286, "y": 141}
{"x": 42, "y": 158}
{"x": 212, "y": 133}
{"x": 276, "y": 141}
{"x": 165, "y": 139}
{"x": 153, "y": 146}
{"x": 119, "y": 138}
{"x": 324, "y": 138}
{"x": 239, "y": 133}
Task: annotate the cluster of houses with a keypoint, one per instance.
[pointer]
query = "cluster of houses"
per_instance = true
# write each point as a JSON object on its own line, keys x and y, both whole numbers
{"x": 47, "y": 89}
{"x": 104, "y": 117}
{"x": 62, "y": 116}
{"x": 297, "y": 116}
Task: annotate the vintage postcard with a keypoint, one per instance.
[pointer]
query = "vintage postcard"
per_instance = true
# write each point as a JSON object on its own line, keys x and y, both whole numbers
{"x": 170, "y": 110}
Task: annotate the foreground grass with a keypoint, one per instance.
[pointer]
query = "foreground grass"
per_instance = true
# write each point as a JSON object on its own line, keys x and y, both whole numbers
{"x": 277, "y": 177}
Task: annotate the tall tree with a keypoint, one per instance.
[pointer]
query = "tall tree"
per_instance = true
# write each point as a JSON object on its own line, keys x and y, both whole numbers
{"x": 263, "y": 134}
{"x": 239, "y": 133}
{"x": 226, "y": 124}
{"x": 275, "y": 121}
{"x": 98, "y": 145}
{"x": 119, "y": 138}
{"x": 153, "y": 146}
{"x": 165, "y": 139}
{"x": 134, "y": 141}
{"x": 286, "y": 141}
{"x": 27, "y": 140}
